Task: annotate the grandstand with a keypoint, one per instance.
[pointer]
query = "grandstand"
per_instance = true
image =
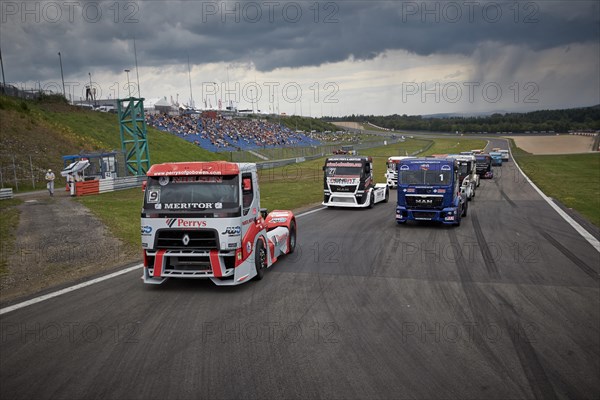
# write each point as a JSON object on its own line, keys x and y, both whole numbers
{"x": 217, "y": 132}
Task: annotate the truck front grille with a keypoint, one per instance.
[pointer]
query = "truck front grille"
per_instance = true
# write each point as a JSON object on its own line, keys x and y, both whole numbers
{"x": 198, "y": 239}
{"x": 424, "y": 215}
{"x": 343, "y": 189}
{"x": 419, "y": 201}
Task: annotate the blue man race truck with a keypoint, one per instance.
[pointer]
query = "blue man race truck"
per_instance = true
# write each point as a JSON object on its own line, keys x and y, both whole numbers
{"x": 429, "y": 189}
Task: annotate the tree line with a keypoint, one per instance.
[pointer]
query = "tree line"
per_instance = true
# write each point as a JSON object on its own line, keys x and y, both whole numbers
{"x": 574, "y": 119}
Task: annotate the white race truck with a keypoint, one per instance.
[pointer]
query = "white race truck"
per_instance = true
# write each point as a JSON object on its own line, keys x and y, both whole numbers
{"x": 203, "y": 220}
{"x": 467, "y": 174}
{"x": 391, "y": 175}
{"x": 348, "y": 182}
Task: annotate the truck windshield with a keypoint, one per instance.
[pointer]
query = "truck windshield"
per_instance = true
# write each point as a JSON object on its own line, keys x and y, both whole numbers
{"x": 425, "y": 177}
{"x": 464, "y": 168}
{"x": 343, "y": 169}
{"x": 192, "y": 193}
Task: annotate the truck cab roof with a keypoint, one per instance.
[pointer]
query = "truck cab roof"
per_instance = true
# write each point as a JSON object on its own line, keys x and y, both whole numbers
{"x": 199, "y": 168}
{"x": 350, "y": 158}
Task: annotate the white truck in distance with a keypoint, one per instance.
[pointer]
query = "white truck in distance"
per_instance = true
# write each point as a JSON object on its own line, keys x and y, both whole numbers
{"x": 203, "y": 220}
{"x": 467, "y": 173}
{"x": 391, "y": 174}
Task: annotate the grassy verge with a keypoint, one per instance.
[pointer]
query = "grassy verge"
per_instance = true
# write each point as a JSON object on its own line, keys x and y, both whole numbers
{"x": 8, "y": 226}
{"x": 289, "y": 187}
{"x": 120, "y": 211}
{"x": 454, "y": 146}
{"x": 572, "y": 179}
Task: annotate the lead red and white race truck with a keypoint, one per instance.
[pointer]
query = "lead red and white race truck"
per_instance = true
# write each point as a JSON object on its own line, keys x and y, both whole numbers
{"x": 203, "y": 220}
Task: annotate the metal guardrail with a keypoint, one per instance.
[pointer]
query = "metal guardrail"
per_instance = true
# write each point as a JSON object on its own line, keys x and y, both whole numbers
{"x": 6, "y": 194}
{"x": 282, "y": 163}
{"x": 110, "y": 185}
{"x": 414, "y": 153}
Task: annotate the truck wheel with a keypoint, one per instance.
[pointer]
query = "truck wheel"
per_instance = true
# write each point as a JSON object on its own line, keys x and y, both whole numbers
{"x": 260, "y": 259}
{"x": 464, "y": 210}
{"x": 371, "y": 200}
{"x": 387, "y": 195}
{"x": 473, "y": 191}
{"x": 292, "y": 238}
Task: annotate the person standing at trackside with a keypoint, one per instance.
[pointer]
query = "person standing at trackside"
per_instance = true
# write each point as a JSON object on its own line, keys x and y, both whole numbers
{"x": 71, "y": 181}
{"x": 50, "y": 182}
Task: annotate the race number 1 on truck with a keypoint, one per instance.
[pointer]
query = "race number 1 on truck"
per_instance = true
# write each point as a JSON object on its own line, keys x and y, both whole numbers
{"x": 203, "y": 220}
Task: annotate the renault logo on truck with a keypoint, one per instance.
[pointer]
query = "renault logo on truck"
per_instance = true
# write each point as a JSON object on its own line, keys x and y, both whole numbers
{"x": 185, "y": 239}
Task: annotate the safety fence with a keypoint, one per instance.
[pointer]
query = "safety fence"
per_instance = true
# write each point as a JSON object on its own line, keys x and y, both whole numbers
{"x": 21, "y": 172}
{"x": 288, "y": 153}
{"x": 424, "y": 149}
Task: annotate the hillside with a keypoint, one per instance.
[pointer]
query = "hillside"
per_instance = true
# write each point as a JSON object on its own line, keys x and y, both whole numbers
{"x": 48, "y": 129}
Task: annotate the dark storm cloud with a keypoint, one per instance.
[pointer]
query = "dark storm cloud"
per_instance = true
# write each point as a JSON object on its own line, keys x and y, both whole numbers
{"x": 271, "y": 34}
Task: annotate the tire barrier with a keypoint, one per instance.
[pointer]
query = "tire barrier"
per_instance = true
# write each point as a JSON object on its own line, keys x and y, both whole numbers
{"x": 88, "y": 188}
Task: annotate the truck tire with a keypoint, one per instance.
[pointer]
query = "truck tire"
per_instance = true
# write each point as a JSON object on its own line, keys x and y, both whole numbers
{"x": 473, "y": 191}
{"x": 371, "y": 200}
{"x": 387, "y": 195}
{"x": 292, "y": 238}
{"x": 260, "y": 259}
{"x": 464, "y": 210}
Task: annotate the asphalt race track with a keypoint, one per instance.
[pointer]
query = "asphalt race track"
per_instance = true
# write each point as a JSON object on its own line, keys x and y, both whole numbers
{"x": 505, "y": 306}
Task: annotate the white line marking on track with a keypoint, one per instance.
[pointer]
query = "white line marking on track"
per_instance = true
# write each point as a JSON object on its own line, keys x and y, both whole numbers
{"x": 66, "y": 290}
{"x": 586, "y": 235}
{"x": 310, "y": 212}
{"x": 93, "y": 281}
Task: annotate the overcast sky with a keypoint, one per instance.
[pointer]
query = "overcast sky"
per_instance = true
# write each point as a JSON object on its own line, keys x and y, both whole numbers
{"x": 314, "y": 58}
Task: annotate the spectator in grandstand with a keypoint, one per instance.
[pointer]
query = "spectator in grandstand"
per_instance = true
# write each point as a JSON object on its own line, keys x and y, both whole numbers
{"x": 227, "y": 133}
